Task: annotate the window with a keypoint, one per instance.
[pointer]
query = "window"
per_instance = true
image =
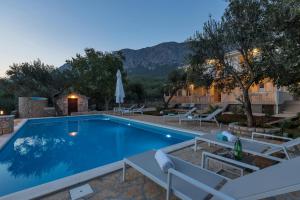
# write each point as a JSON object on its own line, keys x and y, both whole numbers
{"x": 179, "y": 93}
{"x": 261, "y": 87}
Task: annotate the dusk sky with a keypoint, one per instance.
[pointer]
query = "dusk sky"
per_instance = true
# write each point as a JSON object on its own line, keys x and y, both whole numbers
{"x": 55, "y": 30}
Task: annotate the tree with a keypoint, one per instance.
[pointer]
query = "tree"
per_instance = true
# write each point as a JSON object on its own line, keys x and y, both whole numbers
{"x": 177, "y": 79}
{"x": 36, "y": 79}
{"x": 241, "y": 29}
{"x": 199, "y": 77}
{"x": 136, "y": 92}
{"x": 95, "y": 74}
{"x": 7, "y": 96}
{"x": 281, "y": 51}
{"x": 153, "y": 87}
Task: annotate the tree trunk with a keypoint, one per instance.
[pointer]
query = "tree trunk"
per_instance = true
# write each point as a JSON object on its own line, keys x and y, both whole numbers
{"x": 247, "y": 108}
{"x": 106, "y": 104}
{"x": 166, "y": 103}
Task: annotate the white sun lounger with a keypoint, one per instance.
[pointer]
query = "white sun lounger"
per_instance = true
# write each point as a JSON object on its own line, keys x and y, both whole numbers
{"x": 207, "y": 118}
{"x": 146, "y": 164}
{"x": 191, "y": 182}
{"x": 138, "y": 110}
{"x": 177, "y": 116}
{"x": 251, "y": 146}
{"x": 127, "y": 110}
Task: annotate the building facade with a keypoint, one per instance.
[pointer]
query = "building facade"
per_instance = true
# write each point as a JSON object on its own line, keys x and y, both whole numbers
{"x": 265, "y": 97}
{"x": 73, "y": 102}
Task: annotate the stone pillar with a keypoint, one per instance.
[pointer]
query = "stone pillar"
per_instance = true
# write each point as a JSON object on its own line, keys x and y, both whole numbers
{"x": 6, "y": 124}
{"x": 276, "y": 100}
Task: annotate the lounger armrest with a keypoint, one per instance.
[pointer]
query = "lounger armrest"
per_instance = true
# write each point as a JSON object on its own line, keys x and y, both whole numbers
{"x": 199, "y": 184}
{"x": 255, "y": 153}
{"x": 270, "y": 136}
{"x": 206, "y": 154}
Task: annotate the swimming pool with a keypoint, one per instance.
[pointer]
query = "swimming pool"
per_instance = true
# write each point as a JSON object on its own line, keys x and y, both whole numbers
{"x": 45, "y": 150}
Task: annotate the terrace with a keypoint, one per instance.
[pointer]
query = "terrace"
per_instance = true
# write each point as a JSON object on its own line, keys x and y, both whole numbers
{"x": 137, "y": 186}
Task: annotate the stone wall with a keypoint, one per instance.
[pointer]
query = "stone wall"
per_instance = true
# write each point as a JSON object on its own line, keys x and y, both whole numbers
{"x": 62, "y": 103}
{"x": 49, "y": 112}
{"x": 32, "y": 107}
{"x": 6, "y": 124}
{"x": 243, "y": 130}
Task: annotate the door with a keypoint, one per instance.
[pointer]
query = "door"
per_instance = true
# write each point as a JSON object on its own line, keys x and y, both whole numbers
{"x": 72, "y": 105}
{"x": 217, "y": 95}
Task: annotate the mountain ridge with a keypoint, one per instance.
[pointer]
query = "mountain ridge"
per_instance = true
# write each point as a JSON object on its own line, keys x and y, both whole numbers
{"x": 157, "y": 60}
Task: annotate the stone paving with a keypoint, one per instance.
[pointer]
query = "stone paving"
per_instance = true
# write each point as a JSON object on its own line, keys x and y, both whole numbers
{"x": 195, "y": 126}
{"x": 137, "y": 186}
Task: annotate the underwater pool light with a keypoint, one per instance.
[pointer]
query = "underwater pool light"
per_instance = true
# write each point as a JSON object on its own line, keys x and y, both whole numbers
{"x": 73, "y": 134}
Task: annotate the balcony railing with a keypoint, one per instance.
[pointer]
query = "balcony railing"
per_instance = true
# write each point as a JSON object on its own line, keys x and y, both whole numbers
{"x": 255, "y": 98}
{"x": 284, "y": 96}
{"x": 192, "y": 99}
{"x": 265, "y": 98}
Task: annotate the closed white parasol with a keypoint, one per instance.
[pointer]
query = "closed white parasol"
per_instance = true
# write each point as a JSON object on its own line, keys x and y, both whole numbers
{"x": 120, "y": 94}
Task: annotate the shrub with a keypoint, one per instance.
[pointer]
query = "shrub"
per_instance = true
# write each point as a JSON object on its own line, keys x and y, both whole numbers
{"x": 7, "y": 104}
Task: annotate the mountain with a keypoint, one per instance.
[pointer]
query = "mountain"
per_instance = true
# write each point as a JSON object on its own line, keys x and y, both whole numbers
{"x": 64, "y": 67}
{"x": 157, "y": 60}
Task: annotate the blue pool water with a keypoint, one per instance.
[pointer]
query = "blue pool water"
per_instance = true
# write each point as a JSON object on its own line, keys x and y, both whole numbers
{"x": 44, "y": 150}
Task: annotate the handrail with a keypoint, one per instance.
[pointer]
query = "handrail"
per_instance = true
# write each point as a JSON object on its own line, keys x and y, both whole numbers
{"x": 247, "y": 151}
{"x": 228, "y": 160}
{"x": 269, "y": 135}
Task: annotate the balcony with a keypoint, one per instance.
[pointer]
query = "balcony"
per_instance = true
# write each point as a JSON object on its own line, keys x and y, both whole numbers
{"x": 192, "y": 99}
{"x": 261, "y": 98}
{"x": 267, "y": 98}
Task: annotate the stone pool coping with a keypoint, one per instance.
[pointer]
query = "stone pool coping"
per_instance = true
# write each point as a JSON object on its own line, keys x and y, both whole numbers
{"x": 6, "y": 137}
{"x": 62, "y": 183}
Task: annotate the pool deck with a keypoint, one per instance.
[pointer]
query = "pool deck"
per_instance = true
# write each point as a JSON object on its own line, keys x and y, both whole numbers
{"x": 137, "y": 186}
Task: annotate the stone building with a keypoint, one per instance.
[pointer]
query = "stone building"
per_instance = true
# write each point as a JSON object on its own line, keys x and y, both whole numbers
{"x": 32, "y": 107}
{"x": 73, "y": 102}
{"x": 265, "y": 96}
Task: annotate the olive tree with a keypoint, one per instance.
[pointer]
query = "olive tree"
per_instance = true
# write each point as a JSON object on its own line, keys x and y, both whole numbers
{"x": 177, "y": 79}
{"x": 281, "y": 51}
{"x": 95, "y": 74}
{"x": 239, "y": 31}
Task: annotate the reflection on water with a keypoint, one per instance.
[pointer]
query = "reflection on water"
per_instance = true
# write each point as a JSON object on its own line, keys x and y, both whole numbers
{"x": 47, "y": 151}
{"x": 22, "y": 146}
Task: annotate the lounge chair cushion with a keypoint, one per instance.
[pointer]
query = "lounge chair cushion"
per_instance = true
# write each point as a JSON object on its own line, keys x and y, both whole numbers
{"x": 146, "y": 164}
{"x": 275, "y": 179}
{"x": 229, "y": 136}
{"x": 221, "y": 137}
{"x": 164, "y": 162}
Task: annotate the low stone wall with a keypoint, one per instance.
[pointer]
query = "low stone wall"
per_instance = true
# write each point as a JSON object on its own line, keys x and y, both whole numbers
{"x": 6, "y": 124}
{"x": 49, "y": 112}
{"x": 30, "y": 107}
{"x": 243, "y": 130}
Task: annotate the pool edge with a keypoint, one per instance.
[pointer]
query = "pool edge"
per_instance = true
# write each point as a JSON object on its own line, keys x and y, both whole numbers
{"x": 69, "y": 181}
{"x": 11, "y": 135}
